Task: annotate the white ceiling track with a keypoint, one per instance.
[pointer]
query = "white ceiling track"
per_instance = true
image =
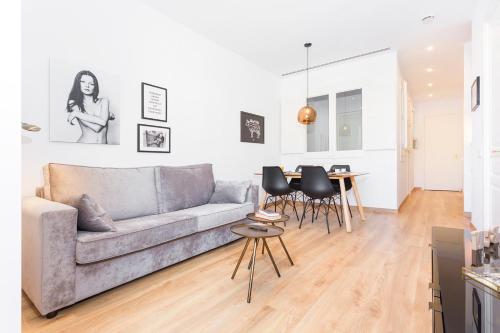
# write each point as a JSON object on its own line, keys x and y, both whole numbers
{"x": 339, "y": 60}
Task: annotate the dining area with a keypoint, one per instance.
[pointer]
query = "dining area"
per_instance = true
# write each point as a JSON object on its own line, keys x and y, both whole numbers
{"x": 313, "y": 192}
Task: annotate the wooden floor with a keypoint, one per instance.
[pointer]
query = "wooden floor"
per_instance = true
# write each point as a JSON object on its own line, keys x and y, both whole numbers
{"x": 371, "y": 280}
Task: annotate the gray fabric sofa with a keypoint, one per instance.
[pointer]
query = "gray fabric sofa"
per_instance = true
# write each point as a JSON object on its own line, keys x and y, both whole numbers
{"x": 162, "y": 216}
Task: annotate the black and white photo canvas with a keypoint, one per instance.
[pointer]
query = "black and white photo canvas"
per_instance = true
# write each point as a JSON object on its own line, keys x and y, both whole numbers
{"x": 154, "y": 102}
{"x": 153, "y": 139}
{"x": 84, "y": 104}
{"x": 251, "y": 128}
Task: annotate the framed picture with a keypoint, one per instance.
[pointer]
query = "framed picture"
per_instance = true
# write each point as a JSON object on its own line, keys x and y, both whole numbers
{"x": 84, "y": 104}
{"x": 154, "y": 102}
{"x": 153, "y": 139}
{"x": 251, "y": 128}
{"x": 475, "y": 94}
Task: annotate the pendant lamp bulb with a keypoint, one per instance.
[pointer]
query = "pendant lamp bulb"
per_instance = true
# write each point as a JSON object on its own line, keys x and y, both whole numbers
{"x": 307, "y": 114}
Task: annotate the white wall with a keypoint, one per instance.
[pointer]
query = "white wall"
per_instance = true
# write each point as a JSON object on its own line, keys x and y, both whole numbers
{"x": 480, "y": 125}
{"x": 428, "y": 108}
{"x": 10, "y": 169}
{"x": 467, "y": 118}
{"x": 207, "y": 86}
{"x": 377, "y": 76}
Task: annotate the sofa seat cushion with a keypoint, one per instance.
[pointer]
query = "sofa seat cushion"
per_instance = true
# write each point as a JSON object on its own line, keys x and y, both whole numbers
{"x": 213, "y": 215}
{"x": 132, "y": 235}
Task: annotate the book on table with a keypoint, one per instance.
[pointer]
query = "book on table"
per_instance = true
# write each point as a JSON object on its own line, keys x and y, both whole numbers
{"x": 267, "y": 214}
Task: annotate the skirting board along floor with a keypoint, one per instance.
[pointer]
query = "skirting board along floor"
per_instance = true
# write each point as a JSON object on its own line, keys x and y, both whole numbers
{"x": 374, "y": 279}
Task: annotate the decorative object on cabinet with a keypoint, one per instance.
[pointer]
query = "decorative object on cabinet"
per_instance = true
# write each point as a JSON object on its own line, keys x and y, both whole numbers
{"x": 153, "y": 102}
{"x": 153, "y": 139}
{"x": 307, "y": 115}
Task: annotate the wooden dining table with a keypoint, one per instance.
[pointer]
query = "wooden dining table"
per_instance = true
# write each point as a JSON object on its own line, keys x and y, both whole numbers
{"x": 340, "y": 176}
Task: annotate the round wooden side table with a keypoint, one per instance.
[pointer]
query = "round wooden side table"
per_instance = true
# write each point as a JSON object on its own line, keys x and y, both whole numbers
{"x": 282, "y": 219}
{"x": 255, "y": 235}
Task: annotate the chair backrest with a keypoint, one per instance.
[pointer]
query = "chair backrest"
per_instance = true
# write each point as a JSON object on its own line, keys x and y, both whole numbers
{"x": 346, "y": 167}
{"x": 274, "y": 181}
{"x": 315, "y": 182}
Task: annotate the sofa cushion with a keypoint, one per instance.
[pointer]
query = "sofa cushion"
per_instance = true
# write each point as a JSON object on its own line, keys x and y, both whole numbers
{"x": 92, "y": 217}
{"x": 230, "y": 191}
{"x": 122, "y": 192}
{"x": 132, "y": 235}
{"x": 184, "y": 187}
{"x": 213, "y": 215}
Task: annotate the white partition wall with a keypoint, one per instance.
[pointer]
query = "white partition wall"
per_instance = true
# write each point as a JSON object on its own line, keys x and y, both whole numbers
{"x": 378, "y": 78}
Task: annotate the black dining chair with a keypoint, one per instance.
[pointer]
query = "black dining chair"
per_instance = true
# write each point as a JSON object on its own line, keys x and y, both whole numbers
{"x": 347, "y": 183}
{"x": 317, "y": 186}
{"x": 275, "y": 184}
{"x": 295, "y": 184}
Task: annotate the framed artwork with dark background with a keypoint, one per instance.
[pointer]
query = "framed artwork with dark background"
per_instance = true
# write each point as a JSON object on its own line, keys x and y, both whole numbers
{"x": 251, "y": 128}
{"x": 153, "y": 139}
{"x": 153, "y": 102}
{"x": 475, "y": 95}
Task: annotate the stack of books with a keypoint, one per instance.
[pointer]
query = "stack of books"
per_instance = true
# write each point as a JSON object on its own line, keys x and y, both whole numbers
{"x": 267, "y": 215}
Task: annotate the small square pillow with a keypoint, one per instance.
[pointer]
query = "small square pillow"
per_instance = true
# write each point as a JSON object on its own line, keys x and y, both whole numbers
{"x": 92, "y": 217}
{"x": 230, "y": 191}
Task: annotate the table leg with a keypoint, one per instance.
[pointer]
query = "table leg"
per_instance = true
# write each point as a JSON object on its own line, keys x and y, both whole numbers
{"x": 241, "y": 257}
{"x": 252, "y": 261}
{"x": 286, "y": 251}
{"x": 358, "y": 198}
{"x": 345, "y": 209}
{"x": 271, "y": 256}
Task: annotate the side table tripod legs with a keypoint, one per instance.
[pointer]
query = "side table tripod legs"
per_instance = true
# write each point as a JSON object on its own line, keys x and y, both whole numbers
{"x": 241, "y": 257}
{"x": 255, "y": 243}
{"x": 271, "y": 256}
{"x": 286, "y": 251}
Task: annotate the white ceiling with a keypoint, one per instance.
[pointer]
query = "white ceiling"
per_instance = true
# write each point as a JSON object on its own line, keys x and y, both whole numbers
{"x": 271, "y": 33}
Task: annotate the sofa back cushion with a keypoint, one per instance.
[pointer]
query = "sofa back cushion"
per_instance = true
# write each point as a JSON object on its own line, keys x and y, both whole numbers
{"x": 184, "y": 187}
{"x": 122, "y": 192}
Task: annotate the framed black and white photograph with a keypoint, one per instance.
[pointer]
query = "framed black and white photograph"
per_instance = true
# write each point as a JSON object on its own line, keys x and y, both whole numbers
{"x": 251, "y": 128}
{"x": 84, "y": 104}
{"x": 154, "y": 102}
{"x": 153, "y": 139}
{"x": 475, "y": 94}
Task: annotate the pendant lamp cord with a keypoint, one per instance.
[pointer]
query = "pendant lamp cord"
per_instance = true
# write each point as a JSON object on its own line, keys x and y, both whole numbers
{"x": 307, "y": 75}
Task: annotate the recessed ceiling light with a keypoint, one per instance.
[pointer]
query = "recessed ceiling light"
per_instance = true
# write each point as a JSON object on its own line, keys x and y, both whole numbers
{"x": 430, "y": 84}
{"x": 430, "y": 48}
{"x": 430, "y": 95}
{"x": 428, "y": 19}
{"x": 429, "y": 69}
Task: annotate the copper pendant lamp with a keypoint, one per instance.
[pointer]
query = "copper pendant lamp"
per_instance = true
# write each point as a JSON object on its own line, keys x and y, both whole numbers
{"x": 307, "y": 114}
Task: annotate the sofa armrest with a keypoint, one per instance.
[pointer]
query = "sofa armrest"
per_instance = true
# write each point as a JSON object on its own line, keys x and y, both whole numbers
{"x": 253, "y": 196}
{"x": 48, "y": 258}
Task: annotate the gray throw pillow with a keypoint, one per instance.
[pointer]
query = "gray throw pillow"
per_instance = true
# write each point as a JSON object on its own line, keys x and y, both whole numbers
{"x": 92, "y": 217}
{"x": 230, "y": 191}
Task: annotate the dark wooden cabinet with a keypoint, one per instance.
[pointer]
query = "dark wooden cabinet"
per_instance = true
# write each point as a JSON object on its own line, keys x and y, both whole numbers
{"x": 448, "y": 287}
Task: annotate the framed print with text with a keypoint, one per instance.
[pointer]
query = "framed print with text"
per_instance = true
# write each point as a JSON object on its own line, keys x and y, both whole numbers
{"x": 154, "y": 102}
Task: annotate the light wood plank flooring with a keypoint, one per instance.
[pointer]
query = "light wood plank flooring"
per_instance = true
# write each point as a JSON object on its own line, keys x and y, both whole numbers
{"x": 372, "y": 280}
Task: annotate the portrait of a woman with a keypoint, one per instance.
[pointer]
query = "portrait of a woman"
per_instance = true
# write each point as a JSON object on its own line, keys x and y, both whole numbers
{"x": 88, "y": 110}
{"x": 84, "y": 104}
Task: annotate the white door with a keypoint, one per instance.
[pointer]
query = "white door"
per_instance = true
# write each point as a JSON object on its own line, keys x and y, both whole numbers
{"x": 443, "y": 149}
